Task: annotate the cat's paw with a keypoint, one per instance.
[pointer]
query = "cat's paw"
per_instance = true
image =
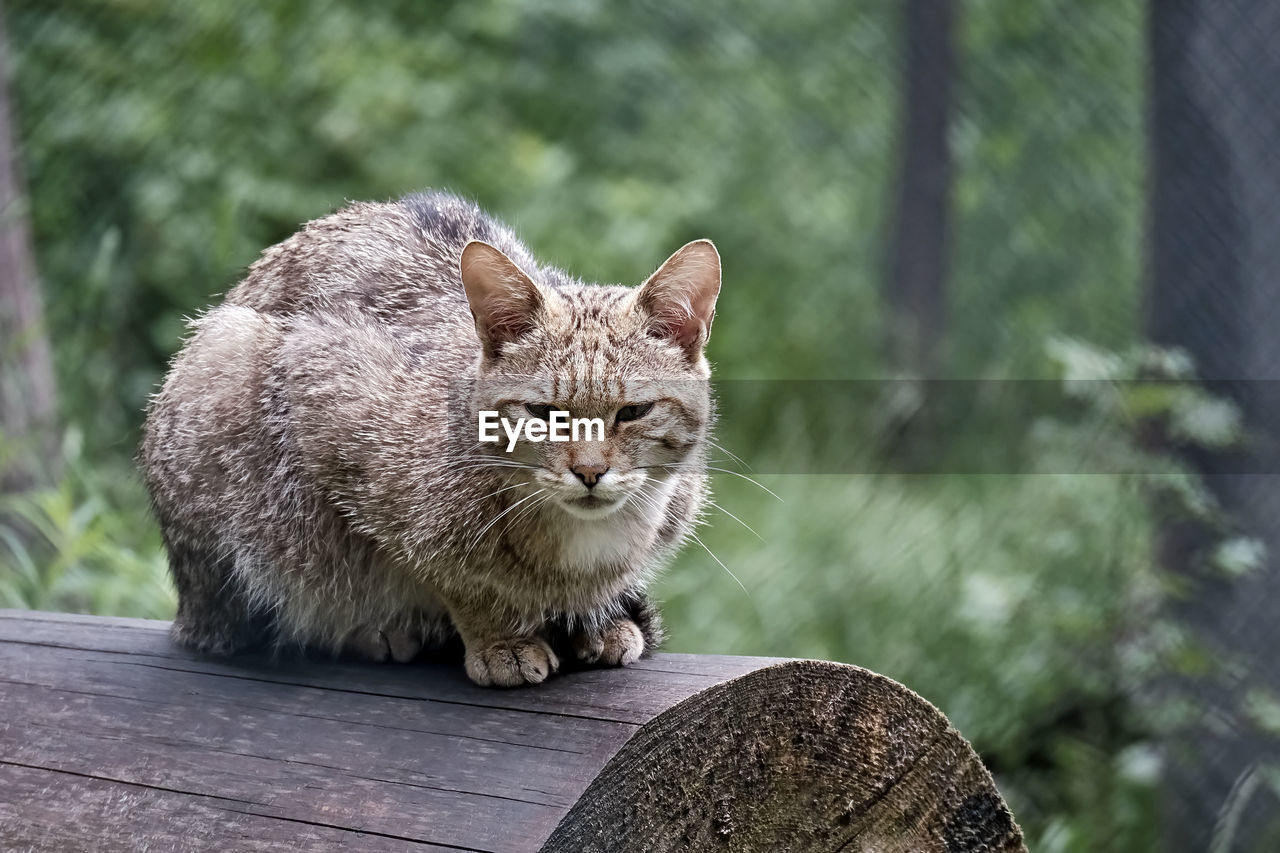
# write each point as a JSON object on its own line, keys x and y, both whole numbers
{"x": 378, "y": 646}
{"x": 510, "y": 663}
{"x": 619, "y": 644}
{"x": 403, "y": 645}
{"x": 367, "y": 644}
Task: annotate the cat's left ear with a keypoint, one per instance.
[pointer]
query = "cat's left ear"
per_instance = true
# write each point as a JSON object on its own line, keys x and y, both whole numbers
{"x": 505, "y": 302}
{"x": 680, "y": 298}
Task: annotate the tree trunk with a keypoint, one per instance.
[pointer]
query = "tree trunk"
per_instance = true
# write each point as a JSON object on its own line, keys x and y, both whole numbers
{"x": 27, "y": 391}
{"x": 916, "y": 268}
{"x": 1214, "y": 291}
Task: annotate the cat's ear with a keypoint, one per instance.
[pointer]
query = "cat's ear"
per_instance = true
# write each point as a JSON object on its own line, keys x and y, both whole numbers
{"x": 680, "y": 298}
{"x": 504, "y": 300}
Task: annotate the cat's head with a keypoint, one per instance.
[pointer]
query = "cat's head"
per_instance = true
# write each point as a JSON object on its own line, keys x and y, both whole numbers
{"x": 625, "y": 364}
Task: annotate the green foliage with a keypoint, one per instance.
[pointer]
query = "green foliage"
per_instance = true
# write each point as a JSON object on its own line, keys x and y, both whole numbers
{"x": 1025, "y": 605}
{"x": 1022, "y": 605}
{"x": 167, "y": 144}
{"x": 85, "y": 545}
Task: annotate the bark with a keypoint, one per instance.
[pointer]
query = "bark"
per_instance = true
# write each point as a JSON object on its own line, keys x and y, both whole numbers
{"x": 27, "y": 390}
{"x": 916, "y": 268}
{"x": 1214, "y": 291}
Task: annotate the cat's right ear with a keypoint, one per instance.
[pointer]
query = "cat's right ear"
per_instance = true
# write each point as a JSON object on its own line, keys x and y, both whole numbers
{"x": 504, "y": 300}
{"x": 680, "y": 298}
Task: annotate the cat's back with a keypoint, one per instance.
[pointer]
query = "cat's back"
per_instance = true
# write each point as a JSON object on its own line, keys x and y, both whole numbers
{"x": 393, "y": 260}
{"x": 351, "y": 302}
{"x": 342, "y": 305}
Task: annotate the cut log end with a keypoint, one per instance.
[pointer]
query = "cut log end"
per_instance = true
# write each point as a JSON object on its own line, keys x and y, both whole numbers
{"x": 803, "y": 755}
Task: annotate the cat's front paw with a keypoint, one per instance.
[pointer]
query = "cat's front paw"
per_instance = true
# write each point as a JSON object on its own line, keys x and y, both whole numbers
{"x": 619, "y": 644}
{"x": 377, "y": 646}
{"x": 511, "y": 662}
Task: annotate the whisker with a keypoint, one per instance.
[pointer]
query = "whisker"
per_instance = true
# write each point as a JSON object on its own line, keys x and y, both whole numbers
{"x": 735, "y": 518}
{"x": 479, "y": 457}
{"x": 695, "y": 538}
{"x": 500, "y": 491}
{"x": 460, "y": 464}
{"x": 649, "y": 501}
{"x": 646, "y": 502}
{"x": 530, "y": 508}
{"x": 475, "y": 542}
{"x": 682, "y": 465}
{"x": 748, "y": 479}
{"x": 493, "y": 464}
{"x": 734, "y": 456}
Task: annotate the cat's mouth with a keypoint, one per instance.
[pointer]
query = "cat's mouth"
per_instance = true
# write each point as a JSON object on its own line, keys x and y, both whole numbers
{"x": 591, "y": 506}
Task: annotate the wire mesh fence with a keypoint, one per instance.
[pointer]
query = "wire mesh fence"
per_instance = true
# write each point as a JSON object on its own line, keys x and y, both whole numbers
{"x": 939, "y": 208}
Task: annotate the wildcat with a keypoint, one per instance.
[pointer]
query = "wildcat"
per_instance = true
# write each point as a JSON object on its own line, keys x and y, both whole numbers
{"x": 312, "y": 456}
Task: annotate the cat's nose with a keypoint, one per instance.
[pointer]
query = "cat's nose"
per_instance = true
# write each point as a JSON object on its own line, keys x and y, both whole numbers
{"x": 589, "y": 474}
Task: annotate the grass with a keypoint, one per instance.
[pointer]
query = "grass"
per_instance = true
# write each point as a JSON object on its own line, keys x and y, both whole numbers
{"x": 86, "y": 545}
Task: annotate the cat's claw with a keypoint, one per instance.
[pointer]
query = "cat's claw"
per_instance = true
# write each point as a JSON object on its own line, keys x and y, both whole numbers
{"x": 511, "y": 663}
{"x": 619, "y": 644}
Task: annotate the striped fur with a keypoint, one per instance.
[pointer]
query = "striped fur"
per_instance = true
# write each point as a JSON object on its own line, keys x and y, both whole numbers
{"x": 312, "y": 455}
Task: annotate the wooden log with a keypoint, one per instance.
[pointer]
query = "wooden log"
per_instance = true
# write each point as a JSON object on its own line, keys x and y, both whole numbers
{"x": 112, "y": 738}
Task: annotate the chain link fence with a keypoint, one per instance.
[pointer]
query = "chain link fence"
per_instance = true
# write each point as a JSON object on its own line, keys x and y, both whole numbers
{"x": 989, "y": 195}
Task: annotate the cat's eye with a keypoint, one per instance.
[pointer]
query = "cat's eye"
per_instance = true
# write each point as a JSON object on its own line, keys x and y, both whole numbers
{"x": 634, "y": 412}
{"x": 541, "y": 411}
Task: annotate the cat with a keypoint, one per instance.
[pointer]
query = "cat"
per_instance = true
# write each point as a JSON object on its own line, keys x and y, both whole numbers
{"x": 313, "y": 461}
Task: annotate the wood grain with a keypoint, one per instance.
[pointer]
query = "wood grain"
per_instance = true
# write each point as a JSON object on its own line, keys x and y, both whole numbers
{"x": 112, "y": 738}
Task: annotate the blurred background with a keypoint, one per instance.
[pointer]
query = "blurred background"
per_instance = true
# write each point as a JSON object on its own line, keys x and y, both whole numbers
{"x": 998, "y": 325}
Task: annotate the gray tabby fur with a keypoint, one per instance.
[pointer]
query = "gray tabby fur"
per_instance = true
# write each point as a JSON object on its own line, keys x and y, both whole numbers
{"x": 312, "y": 456}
